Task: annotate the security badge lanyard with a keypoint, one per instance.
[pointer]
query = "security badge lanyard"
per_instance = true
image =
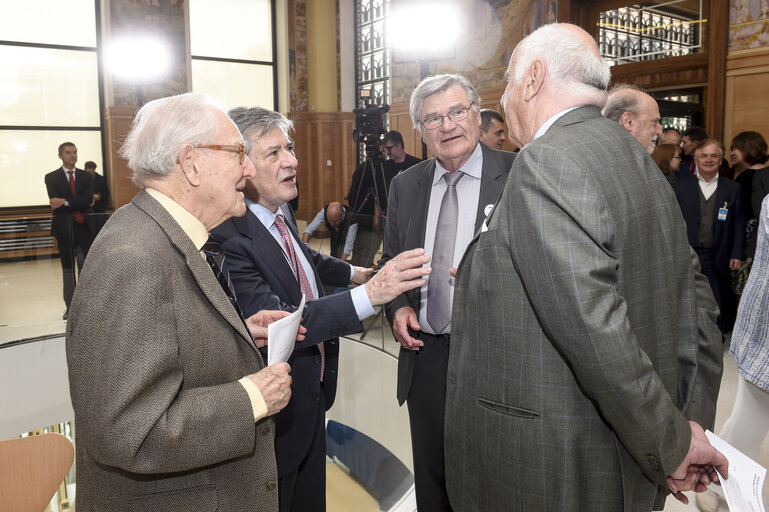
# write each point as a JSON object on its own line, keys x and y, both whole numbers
{"x": 722, "y": 212}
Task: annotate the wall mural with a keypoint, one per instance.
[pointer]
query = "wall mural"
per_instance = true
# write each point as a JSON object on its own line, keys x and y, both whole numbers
{"x": 748, "y": 24}
{"x": 484, "y": 47}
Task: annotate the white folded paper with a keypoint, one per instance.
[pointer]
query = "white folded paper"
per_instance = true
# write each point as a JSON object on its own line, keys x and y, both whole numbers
{"x": 743, "y": 490}
{"x": 281, "y": 336}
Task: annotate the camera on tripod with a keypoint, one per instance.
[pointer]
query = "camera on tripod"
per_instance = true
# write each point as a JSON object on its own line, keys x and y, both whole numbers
{"x": 369, "y": 128}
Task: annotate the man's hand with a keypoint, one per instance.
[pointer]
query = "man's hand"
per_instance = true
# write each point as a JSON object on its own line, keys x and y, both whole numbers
{"x": 699, "y": 466}
{"x": 257, "y": 325}
{"x": 734, "y": 264}
{"x": 399, "y": 275}
{"x": 404, "y": 318}
{"x": 362, "y": 275}
{"x": 274, "y": 384}
{"x": 57, "y": 202}
{"x": 345, "y": 256}
{"x": 306, "y": 238}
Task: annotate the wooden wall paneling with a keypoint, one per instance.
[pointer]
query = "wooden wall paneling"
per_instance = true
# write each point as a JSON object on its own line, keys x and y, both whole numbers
{"x": 746, "y": 84}
{"x": 717, "y": 46}
{"x": 117, "y": 123}
{"x": 683, "y": 71}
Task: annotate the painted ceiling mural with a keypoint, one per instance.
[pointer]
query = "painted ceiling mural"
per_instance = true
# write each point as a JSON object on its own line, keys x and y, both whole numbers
{"x": 748, "y": 24}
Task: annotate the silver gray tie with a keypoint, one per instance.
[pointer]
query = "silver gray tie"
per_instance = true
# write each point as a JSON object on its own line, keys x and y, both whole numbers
{"x": 439, "y": 289}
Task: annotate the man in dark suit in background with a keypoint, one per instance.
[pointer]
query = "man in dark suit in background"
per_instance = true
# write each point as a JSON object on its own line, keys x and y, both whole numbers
{"x": 271, "y": 269}
{"x": 715, "y": 224}
{"x": 467, "y": 177}
{"x": 172, "y": 399}
{"x": 492, "y": 128}
{"x": 70, "y": 191}
{"x": 100, "y": 195}
{"x": 583, "y": 335}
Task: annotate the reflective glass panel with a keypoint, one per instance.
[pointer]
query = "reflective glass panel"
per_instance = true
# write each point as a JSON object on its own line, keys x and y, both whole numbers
{"x": 40, "y": 86}
{"x": 235, "y": 84}
{"x": 71, "y": 23}
{"x": 231, "y": 29}
{"x": 26, "y": 156}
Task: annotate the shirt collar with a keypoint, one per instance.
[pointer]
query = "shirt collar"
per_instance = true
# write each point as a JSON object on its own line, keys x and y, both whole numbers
{"x": 547, "y": 124}
{"x": 473, "y": 167}
{"x": 190, "y": 224}
{"x": 265, "y": 216}
{"x": 67, "y": 170}
{"x": 702, "y": 180}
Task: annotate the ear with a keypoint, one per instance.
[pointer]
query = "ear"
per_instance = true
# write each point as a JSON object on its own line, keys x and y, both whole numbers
{"x": 626, "y": 120}
{"x": 187, "y": 163}
{"x": 534, "y": 80}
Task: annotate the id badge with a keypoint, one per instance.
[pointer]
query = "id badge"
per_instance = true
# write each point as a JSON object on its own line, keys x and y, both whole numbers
{"x": 722, "y": 212}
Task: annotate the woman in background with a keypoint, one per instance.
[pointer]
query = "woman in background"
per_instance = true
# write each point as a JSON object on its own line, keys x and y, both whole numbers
{"x": 668, "y": 158}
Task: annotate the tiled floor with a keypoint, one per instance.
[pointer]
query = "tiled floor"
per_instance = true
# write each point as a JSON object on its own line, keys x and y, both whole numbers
{"x": 31, "y": 305}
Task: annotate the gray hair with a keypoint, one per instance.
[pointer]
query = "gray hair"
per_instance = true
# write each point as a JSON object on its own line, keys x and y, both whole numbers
{"x": 436, "y": 84}
{"x": 164, "y": 126}
{"x": 487, "y": 115}
{"x": 569, "y": 63}
{"x": 622, "y": 98}
{"x": 259, "y": 121}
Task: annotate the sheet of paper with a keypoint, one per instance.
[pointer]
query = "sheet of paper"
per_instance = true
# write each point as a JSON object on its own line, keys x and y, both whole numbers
{"x": 743, "y": 490}
{"x": 281, "y": 336}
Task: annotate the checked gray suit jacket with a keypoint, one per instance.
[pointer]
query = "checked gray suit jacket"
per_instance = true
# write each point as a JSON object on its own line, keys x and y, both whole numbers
{"x": 583, "y": 334}
{"x": 406, "y": 223}
{"x": 155, "y": 349}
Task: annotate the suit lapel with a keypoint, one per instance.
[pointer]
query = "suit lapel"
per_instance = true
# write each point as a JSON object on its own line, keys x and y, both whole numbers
{"x": 417, "y": 224}
{"x": 491, "y": 185}
{"x": 288, "y": 213}
{"x": 198, "y": 267}
{"x": 271, "y": 253}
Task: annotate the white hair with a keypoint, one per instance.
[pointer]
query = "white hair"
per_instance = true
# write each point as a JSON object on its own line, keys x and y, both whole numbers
{"x": 570, "y": 64}
{"x": 435, "y": 84}
{"x": 163, "y": 126}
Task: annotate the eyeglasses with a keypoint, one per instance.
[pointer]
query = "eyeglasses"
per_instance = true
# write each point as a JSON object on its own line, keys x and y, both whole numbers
{"x": 389, "y": 148}
{"x": 456, "y": 115}
{"x": 240, "y": 149}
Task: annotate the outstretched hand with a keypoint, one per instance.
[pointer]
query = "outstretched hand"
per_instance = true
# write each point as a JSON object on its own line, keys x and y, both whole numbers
{"x": 258, "y": 322}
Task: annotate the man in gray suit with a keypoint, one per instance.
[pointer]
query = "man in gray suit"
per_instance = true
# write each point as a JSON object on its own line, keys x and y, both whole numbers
{"x": 421, "y": 212}
{"x": 172, "y": 400}
{"x": 584, "y": 336}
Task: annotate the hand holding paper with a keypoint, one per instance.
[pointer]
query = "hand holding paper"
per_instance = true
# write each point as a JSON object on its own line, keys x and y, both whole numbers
{"x": 282, "y": 335}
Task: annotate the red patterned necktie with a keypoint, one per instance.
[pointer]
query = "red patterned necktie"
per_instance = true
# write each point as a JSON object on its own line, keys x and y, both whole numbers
{"x": 300, "y": 275}
{"x": 78, "y": 216}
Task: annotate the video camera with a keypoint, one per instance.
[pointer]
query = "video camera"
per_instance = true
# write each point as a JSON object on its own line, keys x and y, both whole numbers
{"x": 369, "y": 128}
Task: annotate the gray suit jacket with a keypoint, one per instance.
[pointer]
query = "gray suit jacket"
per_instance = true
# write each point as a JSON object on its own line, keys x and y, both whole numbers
{"x": 405, "y": 228}
{"x": 154, "y": 350}
{"x": 581, "y": 332}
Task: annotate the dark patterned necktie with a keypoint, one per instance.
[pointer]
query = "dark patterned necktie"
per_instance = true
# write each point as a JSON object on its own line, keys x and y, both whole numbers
{"x": 215, "y": 260}
{"x": 300, "y": 275}
{"x": 439, "y": 288}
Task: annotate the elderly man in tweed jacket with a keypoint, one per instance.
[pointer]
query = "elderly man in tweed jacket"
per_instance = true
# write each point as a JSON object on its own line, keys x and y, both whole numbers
{"x": 172, "y": 400}
{"x": 584, "y": 337}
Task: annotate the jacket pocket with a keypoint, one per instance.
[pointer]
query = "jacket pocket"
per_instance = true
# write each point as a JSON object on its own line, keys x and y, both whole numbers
{"x": 508, "y": 409}
{"x": 202, "y": 499}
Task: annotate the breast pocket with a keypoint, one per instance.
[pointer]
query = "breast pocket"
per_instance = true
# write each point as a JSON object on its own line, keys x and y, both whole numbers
{"x": 508, "y": 410}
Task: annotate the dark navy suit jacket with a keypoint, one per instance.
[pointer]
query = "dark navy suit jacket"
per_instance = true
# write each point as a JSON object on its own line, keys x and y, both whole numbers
{"x": 729, "y": 234}
{"x": 263, "y": 279}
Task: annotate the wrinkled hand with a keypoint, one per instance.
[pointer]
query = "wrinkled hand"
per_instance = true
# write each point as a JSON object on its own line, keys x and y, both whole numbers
{"x": 362, "y": 275}
{"x": 257, "y": 325}
{"x": 735, "y": 264}
{"x": 57, "y": 202}
{"x": 399, "y": 275}
{"x": 404, "y": 318}
{"x": 699, "y": 466}
{"x": 274, "y": 384}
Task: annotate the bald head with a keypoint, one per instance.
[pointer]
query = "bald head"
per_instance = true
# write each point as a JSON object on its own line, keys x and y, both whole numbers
{"x": 557, "y": 67}
{"x": 637, "y": 112}
{"x": 334, "y": 214}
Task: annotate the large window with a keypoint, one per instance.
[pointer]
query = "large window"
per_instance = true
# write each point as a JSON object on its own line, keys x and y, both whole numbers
{"x": 235, "y": 63}
{"x": 49, "y": 93}
{"x": 372, "y": 55}
{"x": 651, "y": 30}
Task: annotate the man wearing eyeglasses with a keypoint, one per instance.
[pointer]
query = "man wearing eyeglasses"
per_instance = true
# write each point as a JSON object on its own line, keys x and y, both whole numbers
{"x": 438, "y": 204}
{"x": 272, "y": 268}
{"x": 172, "y": 399}
{"x": 399, "y": 160}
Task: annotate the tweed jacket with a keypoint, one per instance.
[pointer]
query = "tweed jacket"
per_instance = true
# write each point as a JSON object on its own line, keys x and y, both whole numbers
{"x": 583, "y": 335}
{"x": 155, "y": 349}
{"x": 750, "y": 339}
{"x": 406, "y": 224}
